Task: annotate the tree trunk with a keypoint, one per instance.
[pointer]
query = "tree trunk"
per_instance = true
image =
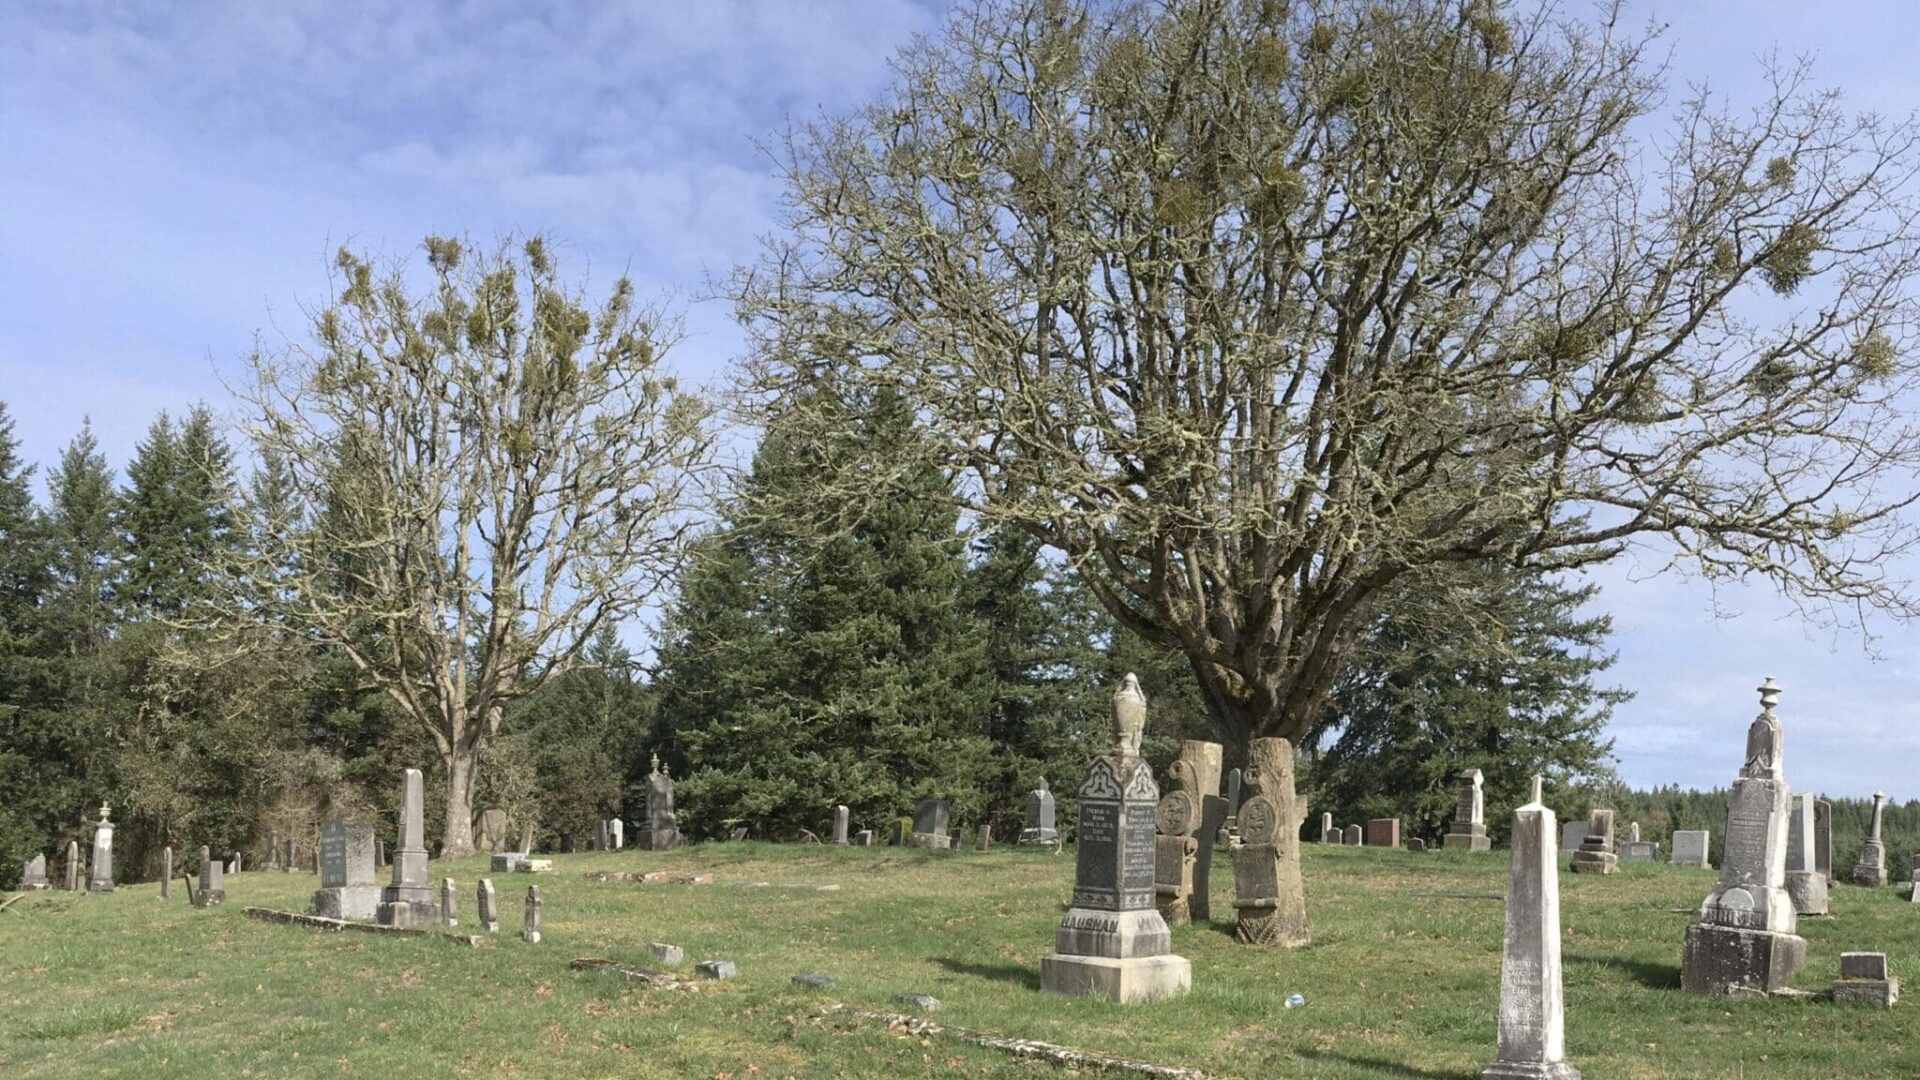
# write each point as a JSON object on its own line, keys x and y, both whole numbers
{"x": 456, "y": 837}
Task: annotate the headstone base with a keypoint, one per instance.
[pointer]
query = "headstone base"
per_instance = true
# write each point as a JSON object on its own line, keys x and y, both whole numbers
{"x": 345, "y": 902}
{"x": 661, "y": 839}
{"x": 1881, "y": 993}
{"x": 1468, "y": 842}
{"x": 1125, "y": 981}
{"x": 1039, "y": 836}
{"x": 1871, "y": 877}
{"x": 393, "y": 912}
{"x": 209, "y": 897}
{"x": 930, "y": 840}
{"x": 1530, "y": 1070}
{"x": 1113, "y": 935}
{"x": 99, "y": 886}
{"x": 1808, "y": 891}
{"x": 1728, "y": 960}
{"x": 503, "y": 862}
{"x": 1595, "y": 862}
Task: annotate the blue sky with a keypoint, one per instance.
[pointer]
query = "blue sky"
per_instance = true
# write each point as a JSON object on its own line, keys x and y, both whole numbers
{"x": 176, "y": 173}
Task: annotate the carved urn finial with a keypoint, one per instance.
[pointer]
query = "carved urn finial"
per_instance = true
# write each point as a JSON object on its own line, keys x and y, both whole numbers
{"x": 1769, "y": 694}
{"x": 1129, "y": 716}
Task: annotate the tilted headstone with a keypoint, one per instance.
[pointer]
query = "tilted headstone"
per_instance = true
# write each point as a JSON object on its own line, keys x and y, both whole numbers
{"x": 663, "y": 825}
{"x": 1040, "y": 828}
{"x": 166, "y": 873}
{"x": 930, "y": 828}
{"x": 1354, "y": 836}
{"x": 1596, "y": 854}
{"x": 33, "y": 877}
{"x": 1268, "y": 893}
{"x": 349, "y": 884}
{"x": 739, "y": 833}
{"x": 409, "y": 898}
{"x": 1113, "y": 942}
{"x": 100, "y": 879}
{"x": 1383, "y": 832}
{"x": 1691, "y": 847}
{"x": 1533, "y": 1015}
{"x": 1329, "y": 834}
{"x": 1468, "y": 830}
{"x": 484, "y": 908}
{"x": 213, "y": 884}
{"x": 449, "y": 900}
{"x": 1806, "y": 885}
{"x": 842, "y": 817}
{"x": 1823, "y": 839}
{"x": 1744, "y": 942}
{"x": 1870, "y": 869}
{"x": 530, "y": 922}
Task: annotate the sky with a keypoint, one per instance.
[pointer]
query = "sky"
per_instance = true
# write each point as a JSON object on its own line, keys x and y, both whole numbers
{"x": 176, "y": 174}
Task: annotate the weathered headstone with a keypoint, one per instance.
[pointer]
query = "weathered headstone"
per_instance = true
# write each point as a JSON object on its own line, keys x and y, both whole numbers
{"x": 1639, "y": 851}
{"x": 1383, "y": 832}
{"x": 1532, "y": 1023}
{"x": 233, "y": 864}
{"x": 1806, "y": 885}
{"x": 1572, "y": 834}
{"x": 738, "y": 834}
{"x": 492, "y": 829}
{"x": 1871, "y": 868}
{"x": 1328, "y": 833}
{"x": 1039, "y": 828}
{"x": 1354, "y": 836}
{"x": 1823, "y": 839}
{"x": 530, "y": 922}
{"x": 213, "y": 885}
{"x": 166, "y": 873}
{"x": 1234, "y": 793}
{"x": 667, "y": 954}
{"x": 286, "y": 867}
{"x": 841, "y": 818}
{"x": 619, "y": 834}
{"x": 1268, "y": 893}
{"x": 716, "y": 969}
{"x": 1690, "y": 848}
{"x": 100, "y": 877}
{"x": 1468, "y": 831}
{"x": 449, "y": 913}
{"x": 1913, "y": 881}
{"x": 1416, "y": 844}
{"x": 863, "y": 838}
{"x": 1176, "y": 820}
{"x": 484, "y": 907}
{"x": 33, "y": 877}
{"x": 930, "y": 828}
{"x": 953, "y": 837}
{"x": 72, "y": 869}
{"x": 1596, "y": 854}
{"x": 983, "y": 838}
{"x": 1744, "y": 942}
{"x": 349, "y": 887}
{"x": 663, "y": 825}
{"x": 602, "y": 840}
{"x": 1113, "y": 942}
{"x": 273, "y": 849}
{"x": 409, "y": 898}
{"x": 1865, "y": 980}
{"x": 1633, "y": 832}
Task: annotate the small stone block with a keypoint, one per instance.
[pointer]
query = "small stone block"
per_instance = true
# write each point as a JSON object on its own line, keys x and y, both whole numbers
{"x": 1863, "y": 965}
{"x": 533, "y": 866}
{"x": 667, "y": 954}
{"x": 1880, "y": 993}
{"x": 923, "y": 1002}
{"x": 716, "y": 969}
{"x": 1126, "y": 981}
{"x": 813, "y": 982}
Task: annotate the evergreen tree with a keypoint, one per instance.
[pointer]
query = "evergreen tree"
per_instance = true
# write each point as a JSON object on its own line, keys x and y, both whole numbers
{"x": 24, "y": 667}
{"x": 567, "y": 751}
{"x": 177, "y": 516}
{"x": 1480, "y": 667}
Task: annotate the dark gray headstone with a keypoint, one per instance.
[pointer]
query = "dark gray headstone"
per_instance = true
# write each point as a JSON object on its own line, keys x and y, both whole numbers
{"x": 1039, "y": 827}
{"x": 930, "y": 818}
{"x": 485, "y": 908}
{"x": 530, "y": 921}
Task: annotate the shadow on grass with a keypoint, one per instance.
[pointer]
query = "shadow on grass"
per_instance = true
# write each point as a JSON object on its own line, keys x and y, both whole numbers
{"x": 1647, "y": 973}
{"x": 1019, "y": 974}
{"x": 1382, "y": 1067}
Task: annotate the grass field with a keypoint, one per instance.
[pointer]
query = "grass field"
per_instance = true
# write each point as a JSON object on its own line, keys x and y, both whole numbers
{"x": 1401, "y": 980}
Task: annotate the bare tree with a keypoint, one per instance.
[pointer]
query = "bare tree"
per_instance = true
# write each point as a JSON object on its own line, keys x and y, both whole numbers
{"x": 472, "y": 480}
{"x": 1260, "y": 310}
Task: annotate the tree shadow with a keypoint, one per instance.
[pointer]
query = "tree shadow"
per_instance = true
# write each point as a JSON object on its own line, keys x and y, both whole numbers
{"x": 1008, "y": 973}
{"x": 1383, "y": 1067}
{"x": 1651, "y": 975}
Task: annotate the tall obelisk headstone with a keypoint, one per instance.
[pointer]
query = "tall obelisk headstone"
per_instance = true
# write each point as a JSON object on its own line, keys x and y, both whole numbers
{"x": 100, "y": 877}
{"x": 409, "y": 899}
{"x": 1533, "y": 1014}
{"x": 841, "y": 817}
{"x": 1744, "y": 942}
{"x": 213, "y": 881}
{"x": 1871, "y": 868}
{"x": 1469, "y": 829}
{"x": 1113, "y": 942}
{"x": 166, "y": 873}
{"x": 1267, "y": 890}
{"x": 1806, "y": 885}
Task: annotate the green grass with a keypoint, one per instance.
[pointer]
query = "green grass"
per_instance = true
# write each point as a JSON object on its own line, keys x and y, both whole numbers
{"x": 1401, "y": 980}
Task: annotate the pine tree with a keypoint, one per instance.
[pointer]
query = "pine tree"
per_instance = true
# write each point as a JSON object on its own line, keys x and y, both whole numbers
{"x": 177, "y": 515}
{"x": 575, "y": 741}
{"x": 24, "y": 665}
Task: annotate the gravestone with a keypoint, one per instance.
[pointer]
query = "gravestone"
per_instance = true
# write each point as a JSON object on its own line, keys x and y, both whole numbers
{"x": 1806, "y": 886}
{"x": 1571, "y": 835}
{"x": 1113, "y": 942}
{"x": 1416, "y": 844}
{"x": 863, "y": 838}
{"x": 1633, "y": 832}
{"x": 1596, "y": 855}
{"x": 213, "y": 885}
{"x": 33, "y": 877}
{"x": 1639, "y": 851}
{"x": 1234, "y": 793}
{"x": 953, "y": 837}
{"x": 841, "y": 818}
{"x": 1354, "y": 836}
{"x": 233, "y": 864}
{"x": 1177, "y": 822}
{"x": 166, "y": 873}
{"x": 100, "y": 879}
{"x": 349, "y": 887}
{"x": 1744, "y": 942}
{"x": 287, "y": 866}
{"x": 1690, "y": 848}
{"x": 73, "y": 866}
{"x": 1383, "y": 832}
{"x": 1913, "y": 881}
{"x": 1532, "y": 1018}
{"x": 492, "y": 828}
{"x": 273, "y": 849}
{"x": 983, "y": 838}
{"x": 930, "y": 828}
{"x": 663, "y": 825}
{"x": 899, "y": 838}
{"x": 1328, "y": 834}
{"x": 408, "y": 900}
{"x": 739, "y": 833}
{"x": 1871, "y": 868}
{"x": 1039, "y": 828}
{"x": 1865, "y": 980}
{"x": 602, "y": 840}
{"x": 530, "y": 921}
{"x": 1823, "y": 839}
{"x": 1468, "y": 831}
{"x": 449, "y": 914}
{"x": 1213, "y": 822}
{"x": 484, "y": 908}
{"x": 1268, "y": 893}
{"x": 619, "y": 828}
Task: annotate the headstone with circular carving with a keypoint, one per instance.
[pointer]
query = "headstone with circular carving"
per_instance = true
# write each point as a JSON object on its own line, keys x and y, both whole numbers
{"x": 1259, "y": 820}
{"x": 1178, "y": 814}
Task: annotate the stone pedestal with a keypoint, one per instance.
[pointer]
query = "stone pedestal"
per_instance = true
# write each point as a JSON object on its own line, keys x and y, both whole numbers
{"x": 1475, "y": 839}
{"x": 1870, "y": 869}
{"x": 1729, "y": 960}
{"x": 1113, "y": 942}
{"x": 100, "y": 878}
{"x": 1596, "y": 855}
